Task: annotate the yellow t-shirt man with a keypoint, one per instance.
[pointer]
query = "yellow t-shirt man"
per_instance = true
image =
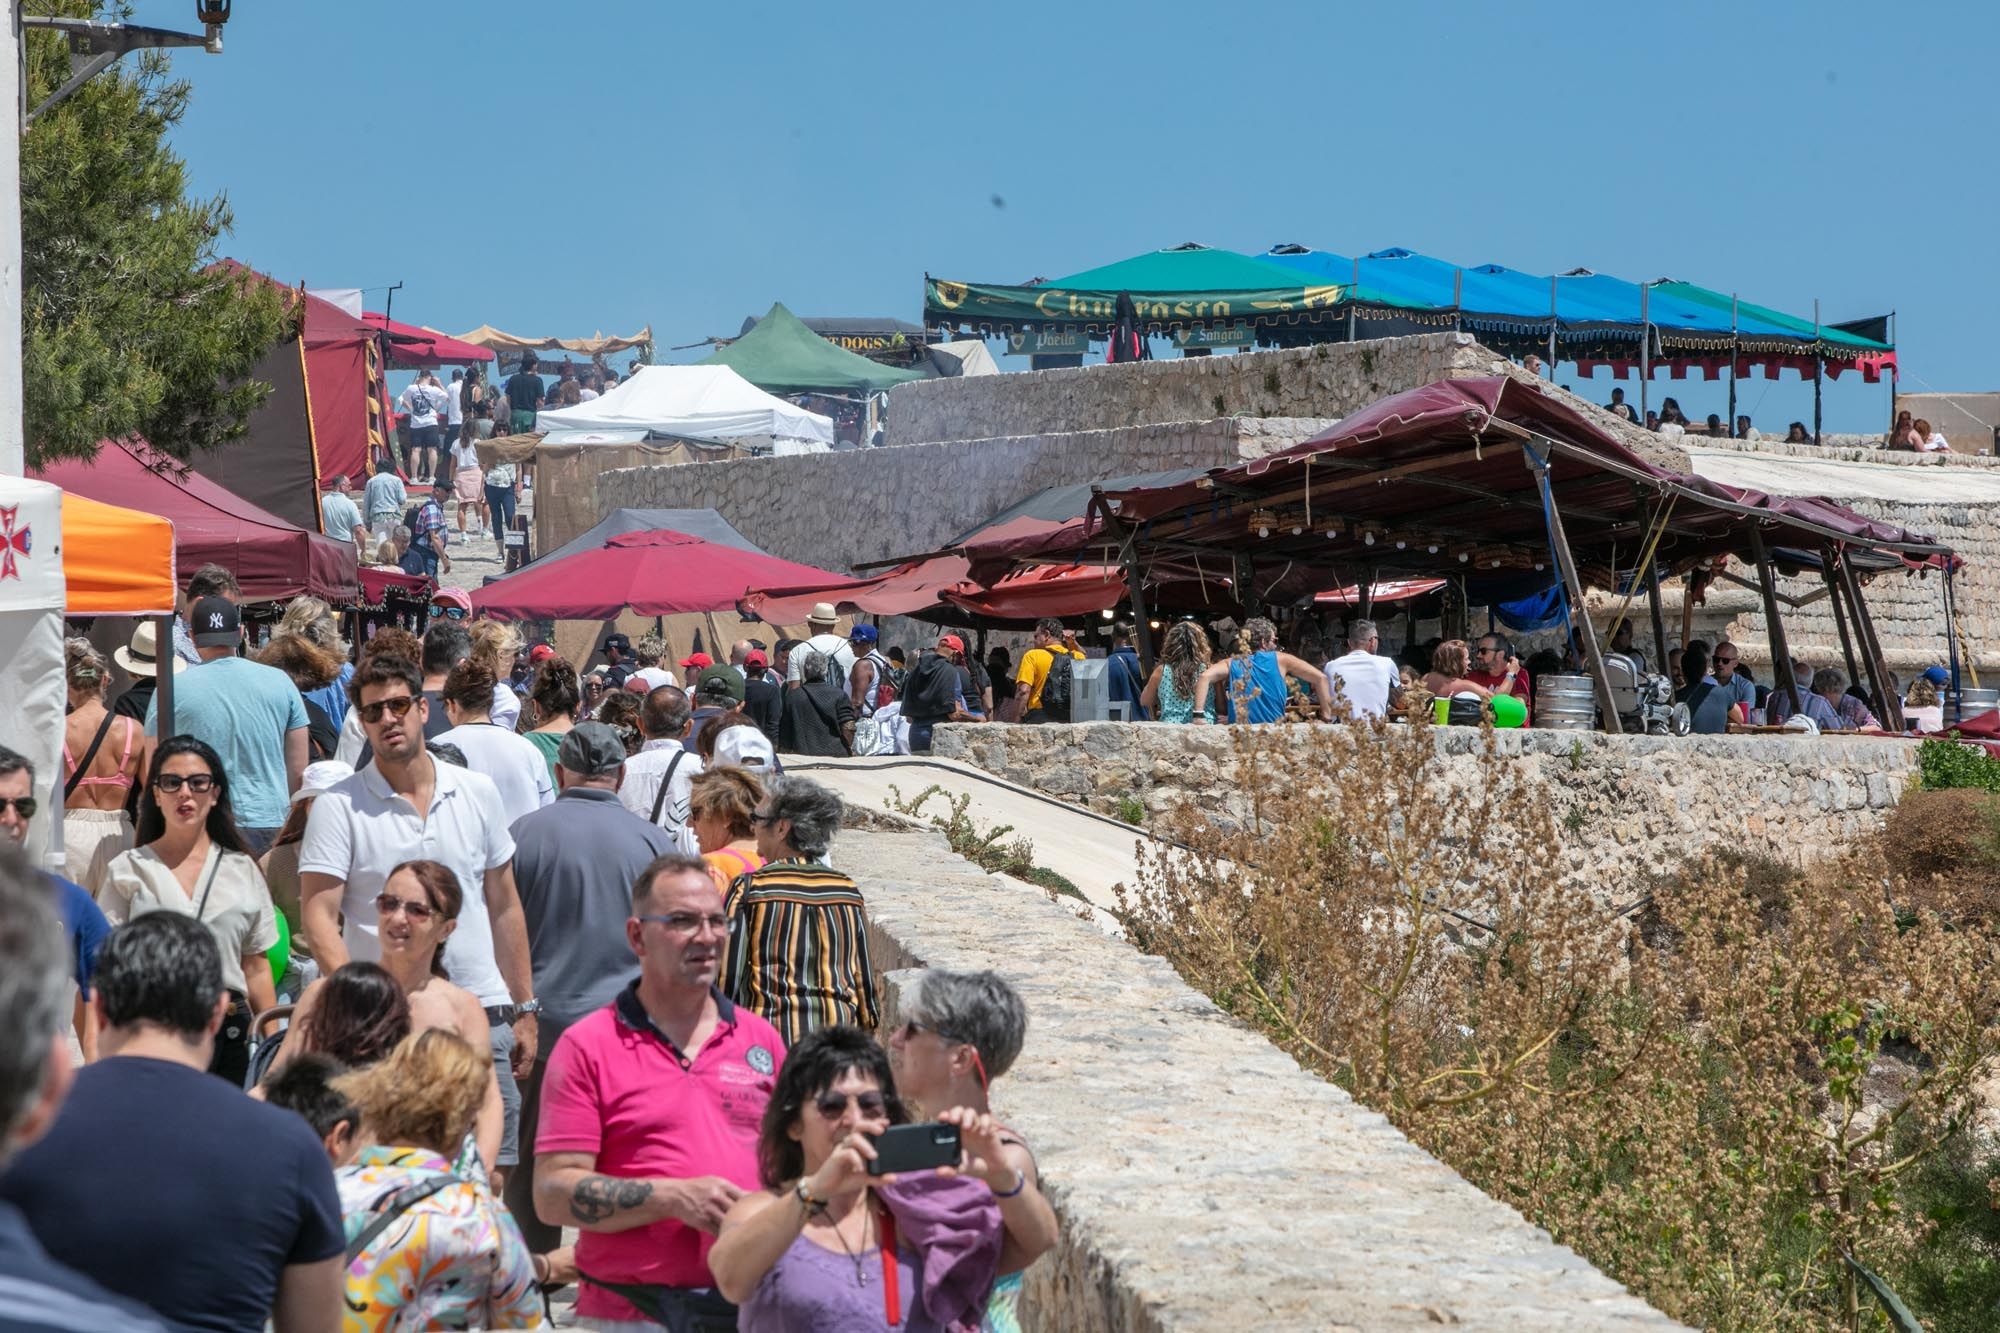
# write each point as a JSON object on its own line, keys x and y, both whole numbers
{"x": 1034, "y": 669}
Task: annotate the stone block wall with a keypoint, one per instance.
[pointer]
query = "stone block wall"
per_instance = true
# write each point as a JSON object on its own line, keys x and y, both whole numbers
{"x": 1326, "y": 380}
{"x": 1202, "y": 1179}
{"x": 836, "y": 510}
{"x": 1641, "y": 804}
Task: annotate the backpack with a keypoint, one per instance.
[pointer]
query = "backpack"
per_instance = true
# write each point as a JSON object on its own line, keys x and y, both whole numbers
{"x": 410, "y": 517}
{"x": 932, "y": 689}
{"x": 1059, "y": 688}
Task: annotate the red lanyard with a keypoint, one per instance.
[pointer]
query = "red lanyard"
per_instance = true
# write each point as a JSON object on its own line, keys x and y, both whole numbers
{"x": 892, "y": 1298}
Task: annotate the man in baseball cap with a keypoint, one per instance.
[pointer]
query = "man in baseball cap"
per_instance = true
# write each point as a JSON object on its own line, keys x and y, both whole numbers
{"x": 867, "y": 681}
{"x": 617, "y": 658}
{"x": 695, "y": 663}
{"x": 591, "y": 754}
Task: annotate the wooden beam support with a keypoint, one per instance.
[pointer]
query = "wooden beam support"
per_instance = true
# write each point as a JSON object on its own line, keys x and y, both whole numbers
{"x": 1830, "y": 571}
{"x": 1566, "y": 563}
{"x": 1889, "y": 708}
{"x": 1774, "y": 628}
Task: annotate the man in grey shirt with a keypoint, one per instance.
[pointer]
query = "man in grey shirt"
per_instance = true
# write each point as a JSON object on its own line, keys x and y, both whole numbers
{"x": 382, "y": 501}
{"x": 575, "y": 862}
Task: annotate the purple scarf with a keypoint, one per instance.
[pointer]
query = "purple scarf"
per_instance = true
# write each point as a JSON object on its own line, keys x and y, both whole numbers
{"x": 953, "y": 1225}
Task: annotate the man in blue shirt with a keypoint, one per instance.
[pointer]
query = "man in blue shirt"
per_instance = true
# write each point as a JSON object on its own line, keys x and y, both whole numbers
{"x": 1125, "y": 676}
{"x": 253, "y": 716}
{"x": 84, "y": 926}
{"x": 37, "y": 1292}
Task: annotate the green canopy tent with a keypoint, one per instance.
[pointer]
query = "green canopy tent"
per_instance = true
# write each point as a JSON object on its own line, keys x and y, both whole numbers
{"x": 1177, "y": 291}
{"x": 781, "y": 355}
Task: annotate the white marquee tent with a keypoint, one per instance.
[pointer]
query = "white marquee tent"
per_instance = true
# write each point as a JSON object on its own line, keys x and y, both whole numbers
{"x": 32, "y": 697}
{"x": 692, "y": 403}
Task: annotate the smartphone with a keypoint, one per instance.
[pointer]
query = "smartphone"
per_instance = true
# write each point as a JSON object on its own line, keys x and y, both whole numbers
{"x": 904, "y": 1148}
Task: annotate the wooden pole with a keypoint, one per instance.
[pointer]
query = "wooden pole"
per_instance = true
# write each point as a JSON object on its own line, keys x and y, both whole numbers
{"x": 1774, "y": 628}
{"x": 1645, "y": 349}
{"x": 1819, "y": 369}
{"x": 1830, "y": 569}
{"x": 1734, "y": 340}
{"x": 1888, "y": 708}
{"x": 1350, "y": 300}
{"x": 1567, "y": 565}
{"x": 1659, "y": 621}
{"x": 1142, "y": 629}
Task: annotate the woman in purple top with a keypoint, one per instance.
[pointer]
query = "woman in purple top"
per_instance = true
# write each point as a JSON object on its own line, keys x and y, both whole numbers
{"x": 807, "y": 1252}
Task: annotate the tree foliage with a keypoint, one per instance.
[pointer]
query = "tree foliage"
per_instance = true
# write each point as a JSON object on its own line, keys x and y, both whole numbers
{"x": 126, "y": 329}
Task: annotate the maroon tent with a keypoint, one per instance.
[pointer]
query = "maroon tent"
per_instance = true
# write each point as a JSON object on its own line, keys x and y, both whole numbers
{"x": 412, "y": 348}
{"x": 657, "y": 573}
{"x": 272, "y": 559}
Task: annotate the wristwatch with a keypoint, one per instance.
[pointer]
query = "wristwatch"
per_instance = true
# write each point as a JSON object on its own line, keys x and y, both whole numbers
{"x": 527, "y": 1008}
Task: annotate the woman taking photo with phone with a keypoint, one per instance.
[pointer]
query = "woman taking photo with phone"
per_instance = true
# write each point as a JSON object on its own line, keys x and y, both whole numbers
{"x": 826, "y": 1245}
{"x": 418, "y": 910}
{"x": 960, "y": 1031}
{"x": 191, "y": 859}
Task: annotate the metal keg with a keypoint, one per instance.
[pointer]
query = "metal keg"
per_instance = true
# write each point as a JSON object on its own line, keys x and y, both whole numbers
{"x": 1974, "y": 703}
{"x": 1565, "y": 703}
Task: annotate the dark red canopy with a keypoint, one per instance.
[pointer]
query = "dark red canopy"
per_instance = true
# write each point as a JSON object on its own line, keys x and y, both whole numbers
{"x": 658, "y": 573}
{"x": 943, "y": 582}
{"x": 271, "y": 559}
{"x": 413, "y": 348}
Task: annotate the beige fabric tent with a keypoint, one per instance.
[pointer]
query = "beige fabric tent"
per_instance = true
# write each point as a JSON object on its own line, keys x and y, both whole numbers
{"x": 488, "y": 336}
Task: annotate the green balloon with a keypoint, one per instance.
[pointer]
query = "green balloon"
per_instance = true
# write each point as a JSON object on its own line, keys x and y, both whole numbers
{"x": 1508, "y": 711}
{"x": 280, "y": 954}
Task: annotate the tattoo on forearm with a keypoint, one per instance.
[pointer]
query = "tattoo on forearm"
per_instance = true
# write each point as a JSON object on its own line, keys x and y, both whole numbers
{"x": 596, "y": 1198}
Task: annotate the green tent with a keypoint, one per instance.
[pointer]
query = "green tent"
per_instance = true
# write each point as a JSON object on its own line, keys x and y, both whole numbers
{"x": 1184, "y": 268}
{"x": 781, "y": 355}
{"x": 1757, "y": 321}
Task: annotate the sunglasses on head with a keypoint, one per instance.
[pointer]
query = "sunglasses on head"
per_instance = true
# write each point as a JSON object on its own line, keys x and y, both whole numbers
{"x": 833, "y": 1104}
{"x": 396, "y": 707}
{"x": 24, "y": 806}
{"x": 198, "y": 783}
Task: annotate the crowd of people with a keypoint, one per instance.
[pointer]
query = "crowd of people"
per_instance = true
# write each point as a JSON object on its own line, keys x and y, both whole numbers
{"x": 389, "y": 970}
{"x": 1908, "y": 434}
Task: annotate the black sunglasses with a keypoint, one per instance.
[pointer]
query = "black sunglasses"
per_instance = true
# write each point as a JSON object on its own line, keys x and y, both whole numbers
{"x": 832, "y": 1104}
{"x": 24, "y": 806}
{"x": 198, "y": 783}
{"x": 396, "y": 707}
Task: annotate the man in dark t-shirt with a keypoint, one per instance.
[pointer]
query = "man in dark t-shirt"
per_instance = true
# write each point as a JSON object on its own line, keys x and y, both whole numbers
{"x": 166, "y": 1184}
{"x": 524, "y": 395}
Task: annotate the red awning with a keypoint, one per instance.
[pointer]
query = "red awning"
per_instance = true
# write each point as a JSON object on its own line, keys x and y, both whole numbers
{"x": 1401, "y": 590}
{"x": 412, "y": 348}
{"x": 658, "y": 573}
{"x": 917, "y": 585}
{"x": 376, "y": 585}
{"x": 272, "y": 560}
{"x": 938, "y": 583}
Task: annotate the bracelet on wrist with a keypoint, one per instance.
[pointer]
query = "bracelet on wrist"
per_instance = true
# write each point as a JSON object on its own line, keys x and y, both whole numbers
{"x": 803, "y": 1192}
{"x": 1020, "y": 1183}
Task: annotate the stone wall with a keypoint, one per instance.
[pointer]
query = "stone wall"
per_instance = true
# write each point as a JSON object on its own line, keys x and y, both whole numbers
{"x": 1326, "y": 380}
{"x": 1202, "y": 1179}
{"x": 836, "y": 510}
{"x": 1642, "y": 803}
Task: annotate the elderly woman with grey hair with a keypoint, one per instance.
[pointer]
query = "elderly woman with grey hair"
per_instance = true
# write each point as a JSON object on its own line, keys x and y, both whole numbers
{"x": 960, "y": 1031}
{"x": 818, "y": 717}
{"x": 798, "y": 934}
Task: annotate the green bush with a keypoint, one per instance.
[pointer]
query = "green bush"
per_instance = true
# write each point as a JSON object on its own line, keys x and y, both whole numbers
{"x": 1943, "y": 764}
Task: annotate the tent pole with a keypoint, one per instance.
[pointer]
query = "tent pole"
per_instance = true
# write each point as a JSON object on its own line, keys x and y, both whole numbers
{"x": 1457, "y": 300}
{"x": 1819, "y": 368}
{"x": 1645, "y": 348}
{"x": 1552, "y": 326}
{"x": 1653, "y": 594}
{"x": 163, "y": 672}
{"x": 1735, "y": 350}
{"x": 1567, "y": 565}
{"x": 1142, "y": 629}
{"x": 1893, "y": 376}
{"x": 1888, "y": 708}
{"x": 1830, "y": 569}
{"x": 1350, "y": 300}
{"x": 1774, "y": 628}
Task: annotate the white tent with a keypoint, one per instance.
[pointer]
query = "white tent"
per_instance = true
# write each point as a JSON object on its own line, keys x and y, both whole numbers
{"x": 32, "y": 694}
{"x": 695, "y": 403}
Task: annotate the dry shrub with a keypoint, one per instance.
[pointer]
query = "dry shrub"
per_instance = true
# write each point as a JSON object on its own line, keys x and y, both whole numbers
{"x": 1945, "y": 847}
{"x": 1685, "y": 1105}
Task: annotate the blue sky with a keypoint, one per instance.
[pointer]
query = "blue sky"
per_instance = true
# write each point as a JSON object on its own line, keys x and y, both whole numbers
{"x": 565, "y": 168}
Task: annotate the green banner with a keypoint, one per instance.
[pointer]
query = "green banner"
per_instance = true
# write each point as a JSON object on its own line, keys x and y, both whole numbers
{"x": 1228, "y": 335}
{"x": 1048, "y": 342}
{"x": 976, "y": 303}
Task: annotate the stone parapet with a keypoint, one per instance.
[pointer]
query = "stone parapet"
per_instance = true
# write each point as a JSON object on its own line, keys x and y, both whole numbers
{"x": 1625, "y": 806}
{"x": 1203, "y": 1180}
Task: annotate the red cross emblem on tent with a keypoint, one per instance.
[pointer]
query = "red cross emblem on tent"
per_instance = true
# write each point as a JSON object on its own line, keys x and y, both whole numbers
{"x": 14, "y": 542}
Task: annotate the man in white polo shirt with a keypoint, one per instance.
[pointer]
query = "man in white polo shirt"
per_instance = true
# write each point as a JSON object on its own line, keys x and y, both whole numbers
{"x": 1362, "y": 681}
{"x": 406, "y": 806}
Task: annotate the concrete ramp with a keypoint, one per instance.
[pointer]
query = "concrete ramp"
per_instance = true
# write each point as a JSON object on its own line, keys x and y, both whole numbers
{"x": 1093, "y": 851}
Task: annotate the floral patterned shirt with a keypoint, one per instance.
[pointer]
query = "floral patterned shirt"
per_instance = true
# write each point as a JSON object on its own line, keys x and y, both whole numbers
{"x": 453, "y": 1260}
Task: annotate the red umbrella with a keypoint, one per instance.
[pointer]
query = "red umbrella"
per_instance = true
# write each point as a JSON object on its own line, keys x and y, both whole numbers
{"x": 660, "y": 573}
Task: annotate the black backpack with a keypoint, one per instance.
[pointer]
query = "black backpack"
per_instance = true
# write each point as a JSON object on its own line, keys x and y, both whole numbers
{"x": 930, "y": 690}
{"x": 1058, "y": 689}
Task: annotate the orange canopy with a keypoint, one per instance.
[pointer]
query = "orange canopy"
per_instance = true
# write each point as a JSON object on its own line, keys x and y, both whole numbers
{"x": 117, "y": 562}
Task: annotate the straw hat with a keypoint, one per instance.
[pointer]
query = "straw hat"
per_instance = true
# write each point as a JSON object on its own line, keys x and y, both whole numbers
{"x": 141, "y": 656}
{"x": 822, "y": 614}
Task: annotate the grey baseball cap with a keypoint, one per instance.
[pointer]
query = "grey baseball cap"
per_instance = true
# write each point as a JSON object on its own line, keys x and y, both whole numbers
{"x": 591, "y": 750}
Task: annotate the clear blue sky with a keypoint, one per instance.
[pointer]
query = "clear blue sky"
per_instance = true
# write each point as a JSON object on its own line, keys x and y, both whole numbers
{"x": 684, "y": 165}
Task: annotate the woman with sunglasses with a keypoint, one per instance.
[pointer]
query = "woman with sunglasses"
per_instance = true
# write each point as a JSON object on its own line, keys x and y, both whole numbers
{"x": 418, "y": 911}
{"x": 191, "y": 859}
{"x": 826, "y": 1245}
{"x": 962, "y": 1030}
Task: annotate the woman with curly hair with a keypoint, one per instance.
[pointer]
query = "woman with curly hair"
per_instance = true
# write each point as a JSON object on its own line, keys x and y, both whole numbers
{"x": 1174, "y": 693}
{"x": 313, "y": 670}
{"x": 1447, "y": 674}
{"x": 556, "y": 698}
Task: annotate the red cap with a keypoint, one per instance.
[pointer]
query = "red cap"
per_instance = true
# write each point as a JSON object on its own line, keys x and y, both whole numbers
{"x": 697, "y": 662}
{"x": 755, "y": 658}
{"x": 541, "y": 652}
{"x": 951, "y": 641}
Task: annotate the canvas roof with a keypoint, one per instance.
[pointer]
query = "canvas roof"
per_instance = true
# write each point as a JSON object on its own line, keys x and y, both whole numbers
{"x": 702, "y": 402}
{"x": 782, "y": 355}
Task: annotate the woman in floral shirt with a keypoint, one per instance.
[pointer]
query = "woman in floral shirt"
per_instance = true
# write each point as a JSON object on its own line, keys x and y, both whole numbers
{"x": 449, "y": 1255}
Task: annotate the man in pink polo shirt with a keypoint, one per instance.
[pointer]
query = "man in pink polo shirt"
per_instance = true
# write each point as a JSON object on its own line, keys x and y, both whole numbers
{"x": 650, "y": 1112}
